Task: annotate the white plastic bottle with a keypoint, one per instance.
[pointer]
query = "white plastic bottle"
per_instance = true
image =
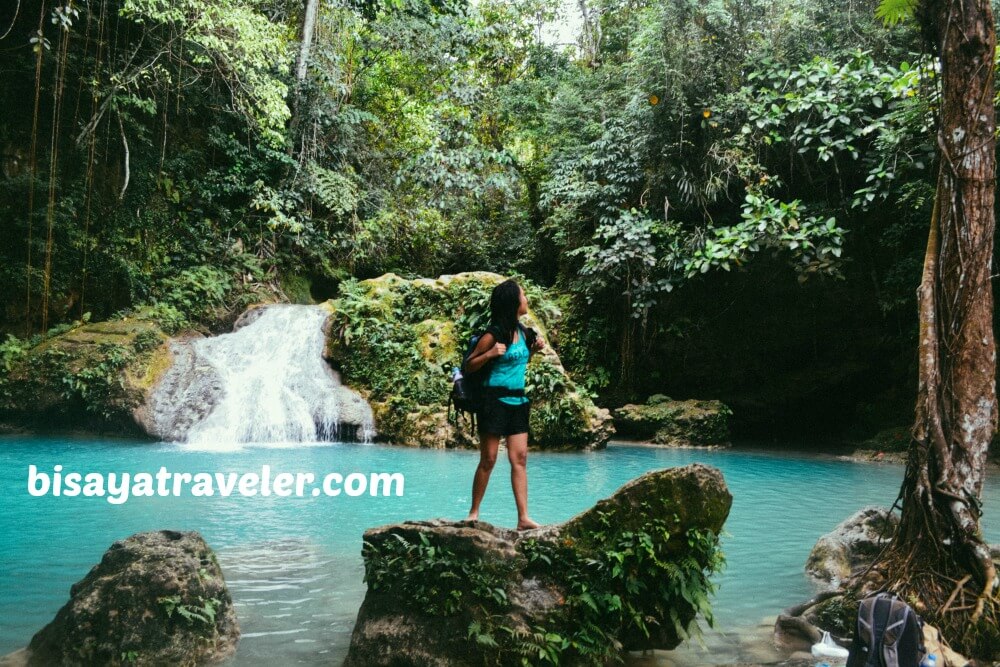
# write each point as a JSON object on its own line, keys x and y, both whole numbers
{"x": 929, "y": 661}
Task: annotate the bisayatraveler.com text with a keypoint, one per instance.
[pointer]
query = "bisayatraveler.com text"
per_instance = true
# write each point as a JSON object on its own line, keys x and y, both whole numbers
{"x": 118, "y": 487}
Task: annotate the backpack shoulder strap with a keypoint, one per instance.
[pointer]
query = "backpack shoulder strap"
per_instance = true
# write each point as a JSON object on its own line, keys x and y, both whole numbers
{"x": 473, "y": 342}
{"x": 898, "y": 615}
{"x": 873, "y": 617}
{"x": 881, "y": 611}
{"x": 866, "y": 621}
{"x": 902, "y": 643}
{"x": 530, "y": 335}
{"x": 861, "y": 643}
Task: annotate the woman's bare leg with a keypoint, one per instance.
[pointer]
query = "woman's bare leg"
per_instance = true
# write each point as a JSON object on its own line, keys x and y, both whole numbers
{"x": 517, "y": 453}
{"x": 488, "y": 446}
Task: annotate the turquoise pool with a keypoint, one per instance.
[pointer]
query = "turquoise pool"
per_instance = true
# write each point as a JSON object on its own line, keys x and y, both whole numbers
{"x": 294, "y": 564}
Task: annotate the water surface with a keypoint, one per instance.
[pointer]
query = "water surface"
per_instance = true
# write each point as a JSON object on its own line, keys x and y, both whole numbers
{"x": 294, "y": 565}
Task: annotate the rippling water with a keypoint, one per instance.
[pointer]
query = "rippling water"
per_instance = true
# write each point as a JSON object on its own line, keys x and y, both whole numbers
{"x": 294, "y": 565}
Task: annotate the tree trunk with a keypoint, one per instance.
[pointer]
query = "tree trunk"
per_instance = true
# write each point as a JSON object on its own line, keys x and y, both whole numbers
{"x": 300, "y": 145}
{"x": 590, "y": 32}
{"x": 308, "y": 28}
{"x": 938, "y": 557}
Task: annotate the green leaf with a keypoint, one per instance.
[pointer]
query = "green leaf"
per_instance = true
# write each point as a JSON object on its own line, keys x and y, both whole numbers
{"x": 893, "y": 11}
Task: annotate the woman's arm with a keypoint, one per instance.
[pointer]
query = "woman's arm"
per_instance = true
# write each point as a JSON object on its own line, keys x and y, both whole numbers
{"x": 487, "y": 348}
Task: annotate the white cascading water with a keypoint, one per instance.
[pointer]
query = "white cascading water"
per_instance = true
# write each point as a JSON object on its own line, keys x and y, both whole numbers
{"x": 276, "y": 386}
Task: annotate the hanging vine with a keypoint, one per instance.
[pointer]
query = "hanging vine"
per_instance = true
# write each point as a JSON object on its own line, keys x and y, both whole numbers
{"x": 40, "y": 45}
{"x": 91, "y": 155}
{"x": 64, "y": 16}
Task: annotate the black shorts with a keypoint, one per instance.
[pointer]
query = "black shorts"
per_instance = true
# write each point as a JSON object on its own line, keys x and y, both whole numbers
{"x": 499, "y": 418}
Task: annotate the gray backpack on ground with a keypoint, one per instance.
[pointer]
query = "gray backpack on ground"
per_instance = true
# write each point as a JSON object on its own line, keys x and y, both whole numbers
{"x": 888, "y": 634}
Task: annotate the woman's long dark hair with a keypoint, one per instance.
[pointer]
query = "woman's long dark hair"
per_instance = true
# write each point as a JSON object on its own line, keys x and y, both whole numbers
{"x": 505, "y": 301}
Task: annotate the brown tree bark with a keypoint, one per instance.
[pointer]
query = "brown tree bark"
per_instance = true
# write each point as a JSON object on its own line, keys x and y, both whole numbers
{"x": 938, "y": 558}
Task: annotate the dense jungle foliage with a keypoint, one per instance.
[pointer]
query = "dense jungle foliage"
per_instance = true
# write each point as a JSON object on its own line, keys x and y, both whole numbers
{"x": 730, "y": 196}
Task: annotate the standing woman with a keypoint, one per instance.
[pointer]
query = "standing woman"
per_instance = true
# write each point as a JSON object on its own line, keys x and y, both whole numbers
{"x": 504, "y": 412}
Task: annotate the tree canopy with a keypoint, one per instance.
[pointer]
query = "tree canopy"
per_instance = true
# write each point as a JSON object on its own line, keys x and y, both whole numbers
{"x": 164, "y": 156}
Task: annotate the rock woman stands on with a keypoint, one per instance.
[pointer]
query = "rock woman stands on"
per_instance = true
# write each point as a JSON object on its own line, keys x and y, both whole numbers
{"x": 504, "y": 415}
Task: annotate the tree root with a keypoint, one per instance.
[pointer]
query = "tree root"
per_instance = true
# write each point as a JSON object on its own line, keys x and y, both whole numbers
{"x": 947, "y": 597}
{"x": 981, "y": 601}
{"x": 798, "y": 625}
{"x": 989, "y": 584}
{"x": 800, "y": 609}
{"x": 958, "y": 587}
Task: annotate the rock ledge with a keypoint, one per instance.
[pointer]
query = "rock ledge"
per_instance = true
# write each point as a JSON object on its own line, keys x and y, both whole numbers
{"x": 461, "y": 593}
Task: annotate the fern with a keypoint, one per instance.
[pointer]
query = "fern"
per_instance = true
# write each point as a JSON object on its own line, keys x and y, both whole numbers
{"x": 336, "y": 191}
{"x": 893, "y": 11}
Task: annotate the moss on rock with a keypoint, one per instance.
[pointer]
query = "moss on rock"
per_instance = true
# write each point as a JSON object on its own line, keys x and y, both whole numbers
{"x": 297, "y": 288}
{"x": 438, "y": 341}
{"x": 87, "y": 375}
{"x": 156, "y": 598}
{"x": 633, "y": 572}
{"x": 396, "y": 340}
{"x": 677, "y": 423}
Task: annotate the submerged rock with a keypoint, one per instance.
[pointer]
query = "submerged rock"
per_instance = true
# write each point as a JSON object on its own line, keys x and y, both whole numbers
{"x": 156, "y": 598}
{"x": 852, "y": 545}
{"x": 397, "y": 340}
{"x": 469, "y": 593}
{"x": 690, "y": 423}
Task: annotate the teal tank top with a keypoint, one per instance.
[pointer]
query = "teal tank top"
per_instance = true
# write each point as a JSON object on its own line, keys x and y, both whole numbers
{"x": 508, "y": 370}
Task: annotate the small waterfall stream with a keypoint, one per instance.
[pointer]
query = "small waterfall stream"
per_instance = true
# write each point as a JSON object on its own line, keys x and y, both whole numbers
{"x": 266, "y": 381}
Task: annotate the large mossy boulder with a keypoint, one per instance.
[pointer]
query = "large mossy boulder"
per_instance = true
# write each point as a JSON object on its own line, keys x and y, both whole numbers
{"x": 156, "y": 598}
{"x": 630, "y": 573}
{"x": 91, "y": 375}
{"x": 690, "y": 423}
{"x": 396, "y": 341}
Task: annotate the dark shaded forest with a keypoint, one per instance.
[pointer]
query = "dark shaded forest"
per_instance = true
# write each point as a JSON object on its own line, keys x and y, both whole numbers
{"x": 728, "y": 198}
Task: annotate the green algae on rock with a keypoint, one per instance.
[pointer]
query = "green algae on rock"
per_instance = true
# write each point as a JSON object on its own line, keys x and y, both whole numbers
{"x": 90, "y": 375}
{"x": 690, "y": 423}
{"x": 396, "y": 341}
{"x": 631, "y": 573}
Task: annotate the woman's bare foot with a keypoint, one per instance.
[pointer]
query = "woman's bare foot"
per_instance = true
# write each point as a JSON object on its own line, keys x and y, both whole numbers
{"x": 526, "y": 524}
{"x": 473, "y": 516}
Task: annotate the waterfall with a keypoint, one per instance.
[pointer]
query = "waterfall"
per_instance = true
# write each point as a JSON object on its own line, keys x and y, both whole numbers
{"x": 266, "y": 381}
